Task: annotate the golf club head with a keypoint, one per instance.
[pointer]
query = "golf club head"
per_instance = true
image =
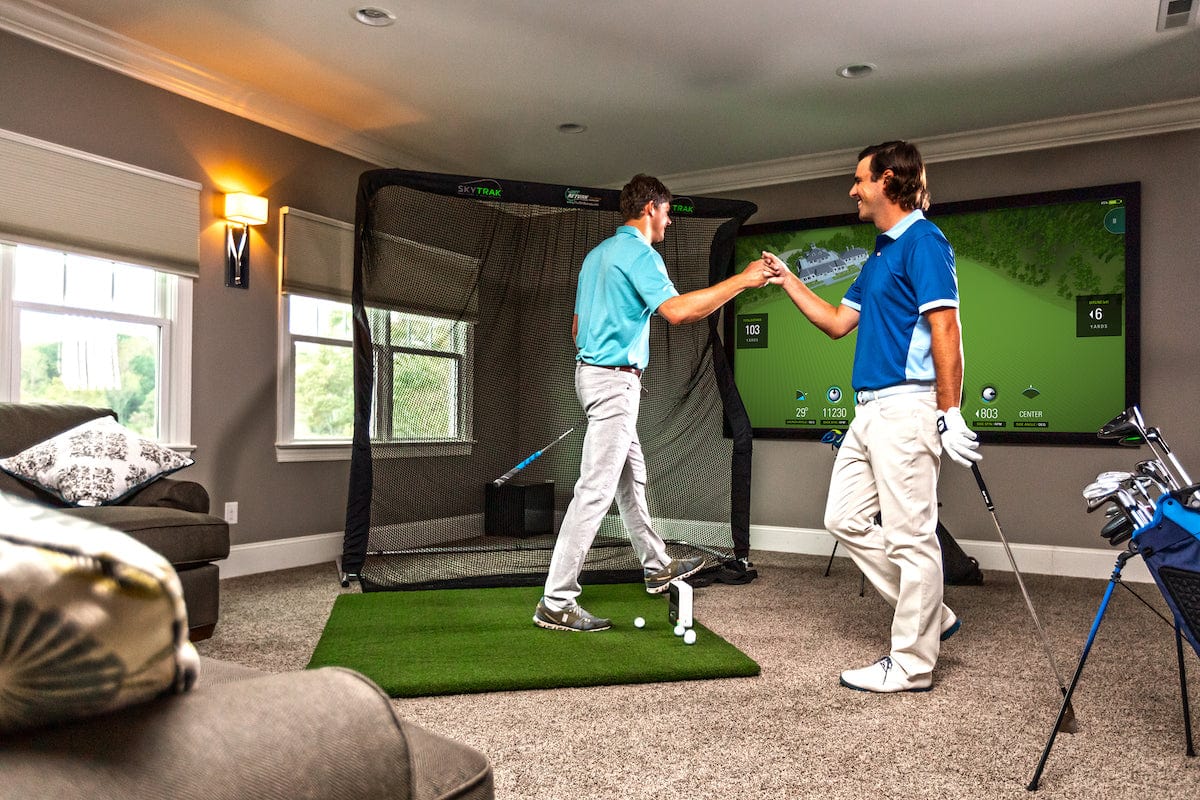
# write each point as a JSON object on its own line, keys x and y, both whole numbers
{"x": 1128, "y": 427}
{"x": 1154, "y": 469}
{"x": 1114, "y": 476}
{"x": 1097, "y": 493}
{"x": 1117, "y": 530}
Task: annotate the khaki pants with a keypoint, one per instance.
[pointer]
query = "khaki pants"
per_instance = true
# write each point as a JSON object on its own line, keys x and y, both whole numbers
{"x": 888, "y": 465}
{"x": 612, "y": 467}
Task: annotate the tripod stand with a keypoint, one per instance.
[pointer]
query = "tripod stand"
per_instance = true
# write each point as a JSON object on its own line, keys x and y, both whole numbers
{"x": 1171, "y": 537}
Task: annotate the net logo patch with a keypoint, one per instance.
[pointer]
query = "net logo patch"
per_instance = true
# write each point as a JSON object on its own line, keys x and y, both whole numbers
{"x": 683, "y": 205}
{"x": 578, "y": 197}
{"x": 482, "y": 189}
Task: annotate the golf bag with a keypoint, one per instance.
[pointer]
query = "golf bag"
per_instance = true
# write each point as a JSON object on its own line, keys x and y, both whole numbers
{"x": 958, "y": 568}
{"x": 1170, "y": 547}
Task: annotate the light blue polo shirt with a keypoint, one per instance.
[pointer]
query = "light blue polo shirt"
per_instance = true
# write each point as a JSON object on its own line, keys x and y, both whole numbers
{"x": 910, "y": 272}
{"x": 622, "y": 282}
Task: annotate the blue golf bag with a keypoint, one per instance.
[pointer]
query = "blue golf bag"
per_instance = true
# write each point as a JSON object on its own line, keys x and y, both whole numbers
{"x": 1170, "y": 546}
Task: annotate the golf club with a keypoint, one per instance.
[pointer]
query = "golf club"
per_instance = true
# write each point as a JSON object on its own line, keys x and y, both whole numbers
{"x": 1066, "y": 723}
{"x": 1153, "y": 469}
{"x": 503, "y": 479}
{"x": 1118, "y": 529}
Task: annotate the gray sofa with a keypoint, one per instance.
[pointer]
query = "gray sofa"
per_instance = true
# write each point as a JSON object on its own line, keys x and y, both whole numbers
{"x": 320, "y": 734}
{"x": 169, "y": 516}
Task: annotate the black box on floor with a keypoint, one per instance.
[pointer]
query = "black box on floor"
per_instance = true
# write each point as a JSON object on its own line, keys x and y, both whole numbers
{"x": 518, "y": 508}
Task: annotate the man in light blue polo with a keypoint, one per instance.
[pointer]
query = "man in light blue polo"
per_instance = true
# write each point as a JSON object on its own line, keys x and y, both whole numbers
{"x": 908, "y": 368}
{"x": 623, "y": 282}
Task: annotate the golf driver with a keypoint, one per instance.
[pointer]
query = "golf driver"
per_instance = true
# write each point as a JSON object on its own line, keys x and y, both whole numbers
{"x": 1067, "y": 723}
{"x": 1130, "y": 428}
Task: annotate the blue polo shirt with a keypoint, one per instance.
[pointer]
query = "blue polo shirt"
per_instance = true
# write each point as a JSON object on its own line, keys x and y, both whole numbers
{"x": 622, "y": 282}
{"x": 910, "y": 272}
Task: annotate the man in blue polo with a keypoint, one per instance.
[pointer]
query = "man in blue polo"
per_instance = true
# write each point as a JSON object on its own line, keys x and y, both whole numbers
{"x": 908, "y": 368}
{"x": 623, "y": 282}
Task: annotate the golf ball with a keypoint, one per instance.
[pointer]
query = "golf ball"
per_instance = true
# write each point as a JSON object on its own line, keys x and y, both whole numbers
{"x": 689, "y": 637}
{"x": 638, "y": 622}
{"x": 679, "y": 629}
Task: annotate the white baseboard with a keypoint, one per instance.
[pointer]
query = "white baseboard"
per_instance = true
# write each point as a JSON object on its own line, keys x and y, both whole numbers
{"x": 301, "y": 551}
{"x": 1034, "y": 559}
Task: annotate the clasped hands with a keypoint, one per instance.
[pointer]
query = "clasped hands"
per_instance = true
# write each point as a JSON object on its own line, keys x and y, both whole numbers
{"x": 768, "y": 269}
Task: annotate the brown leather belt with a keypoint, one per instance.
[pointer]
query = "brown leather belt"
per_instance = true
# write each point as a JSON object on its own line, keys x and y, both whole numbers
{"x": 633, "y": 370}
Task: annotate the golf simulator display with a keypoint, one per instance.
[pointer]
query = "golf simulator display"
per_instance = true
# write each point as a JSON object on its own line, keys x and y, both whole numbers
{"x": 464, "y": 377}
{"x": 1155, "y": 512}
{"x": 1049, "y": 286}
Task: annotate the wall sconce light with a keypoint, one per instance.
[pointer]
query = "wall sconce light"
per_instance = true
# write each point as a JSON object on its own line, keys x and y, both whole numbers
{"x": 241, "y": 210}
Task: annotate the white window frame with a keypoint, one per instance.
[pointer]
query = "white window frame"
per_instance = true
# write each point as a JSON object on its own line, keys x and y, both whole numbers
{"x": 289, "y": 449}
{"x": 175, "y": 355}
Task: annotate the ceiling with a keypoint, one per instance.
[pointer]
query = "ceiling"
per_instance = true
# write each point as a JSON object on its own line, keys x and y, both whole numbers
{"x": 710, "y": 95}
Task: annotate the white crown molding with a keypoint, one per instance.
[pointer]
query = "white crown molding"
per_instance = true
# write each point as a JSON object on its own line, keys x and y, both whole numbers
{"x": 1041, "y": 135}
{"x": 76, "y": 37}
{"x": 53, "y": 28}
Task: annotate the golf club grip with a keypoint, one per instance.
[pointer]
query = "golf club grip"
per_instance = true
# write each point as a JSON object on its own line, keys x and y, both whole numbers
{"x": 987, "y": 498}
{"x": 503, "y": 479}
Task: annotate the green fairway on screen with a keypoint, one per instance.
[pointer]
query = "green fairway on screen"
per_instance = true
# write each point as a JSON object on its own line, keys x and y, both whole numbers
{"x": 1043, "y": 288}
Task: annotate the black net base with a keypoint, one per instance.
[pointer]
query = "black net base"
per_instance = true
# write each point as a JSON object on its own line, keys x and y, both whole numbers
{"x": 494, "y": 561}
{"x": 495, "y": 264}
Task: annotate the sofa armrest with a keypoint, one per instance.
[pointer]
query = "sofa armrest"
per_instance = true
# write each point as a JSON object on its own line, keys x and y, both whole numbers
{"x": 314, "y": 734}
{"x": 171, "y": 493}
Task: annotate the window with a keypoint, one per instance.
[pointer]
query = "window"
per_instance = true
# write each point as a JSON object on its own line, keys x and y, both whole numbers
{"x": 96, "y": 332}
{"x": 421, "y": 394}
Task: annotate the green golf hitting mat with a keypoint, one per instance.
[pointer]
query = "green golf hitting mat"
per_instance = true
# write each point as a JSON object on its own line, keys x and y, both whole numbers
{"x": 455, "y": 641}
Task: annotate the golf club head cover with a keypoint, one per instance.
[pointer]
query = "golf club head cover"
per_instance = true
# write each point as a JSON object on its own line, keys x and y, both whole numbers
{"x": 960, "y": 443}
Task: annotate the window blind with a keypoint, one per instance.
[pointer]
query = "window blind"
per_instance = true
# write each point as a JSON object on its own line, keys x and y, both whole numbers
{"x": 53, "y": 196}
{"x": 317, "y": 254}
{"x": 318, "y": 259}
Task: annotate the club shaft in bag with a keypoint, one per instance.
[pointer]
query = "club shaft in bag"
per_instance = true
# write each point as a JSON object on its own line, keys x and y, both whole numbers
{"x": 503, "y": 479}
{"x": 1067, "y": 721}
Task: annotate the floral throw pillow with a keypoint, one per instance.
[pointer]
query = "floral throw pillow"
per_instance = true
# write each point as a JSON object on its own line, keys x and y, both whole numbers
{"x": 98, "y": 462}
{"x": 91, "y": 619}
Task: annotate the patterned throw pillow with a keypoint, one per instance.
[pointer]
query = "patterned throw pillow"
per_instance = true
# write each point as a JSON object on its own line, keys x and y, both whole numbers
{"x": 95, "y": 463}
{"x": 91, "y": 620}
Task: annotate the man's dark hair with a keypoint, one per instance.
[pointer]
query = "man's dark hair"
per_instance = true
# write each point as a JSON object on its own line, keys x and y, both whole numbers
{"x": 640, "y": 190}
{"x": 907, "y": 187}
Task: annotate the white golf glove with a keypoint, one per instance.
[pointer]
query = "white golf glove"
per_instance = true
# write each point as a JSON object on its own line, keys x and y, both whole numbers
{"x": 957, "y": 440}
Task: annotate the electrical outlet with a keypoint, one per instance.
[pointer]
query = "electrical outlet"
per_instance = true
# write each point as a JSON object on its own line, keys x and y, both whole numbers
{"x": 231, "y": 513}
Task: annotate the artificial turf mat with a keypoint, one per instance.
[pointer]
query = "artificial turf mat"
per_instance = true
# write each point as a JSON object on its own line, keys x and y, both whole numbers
{"x": 453, "y": 641}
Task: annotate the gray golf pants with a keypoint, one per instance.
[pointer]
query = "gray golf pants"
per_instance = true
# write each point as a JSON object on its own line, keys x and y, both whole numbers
{"x": 612, "y": 468}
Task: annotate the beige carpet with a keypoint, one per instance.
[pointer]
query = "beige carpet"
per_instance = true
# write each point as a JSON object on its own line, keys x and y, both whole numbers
{"x": 793, "y": 732}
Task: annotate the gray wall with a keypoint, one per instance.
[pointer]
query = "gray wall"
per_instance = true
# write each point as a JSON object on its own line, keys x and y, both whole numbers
{"x": 61, "y": 99}
{"x": 1036, "y": 489}
{"x": 55, "y": 97}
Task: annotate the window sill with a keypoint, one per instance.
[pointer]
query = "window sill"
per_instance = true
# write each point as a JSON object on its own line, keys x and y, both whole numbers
{"x": 288, "y": 452}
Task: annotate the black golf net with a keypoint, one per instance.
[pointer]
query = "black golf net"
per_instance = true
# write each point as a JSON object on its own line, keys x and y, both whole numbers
{"x": 464, "y": 291}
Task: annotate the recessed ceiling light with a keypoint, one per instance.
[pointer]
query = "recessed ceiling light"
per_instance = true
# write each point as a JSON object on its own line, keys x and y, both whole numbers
{"x": 571, "y": 127}
{"x": 856, "y": 70}
{"x": 375, "y": 17}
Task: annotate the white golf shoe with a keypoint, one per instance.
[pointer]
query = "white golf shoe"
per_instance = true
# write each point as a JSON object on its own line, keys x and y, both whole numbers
{"x": 885, "y": 676}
